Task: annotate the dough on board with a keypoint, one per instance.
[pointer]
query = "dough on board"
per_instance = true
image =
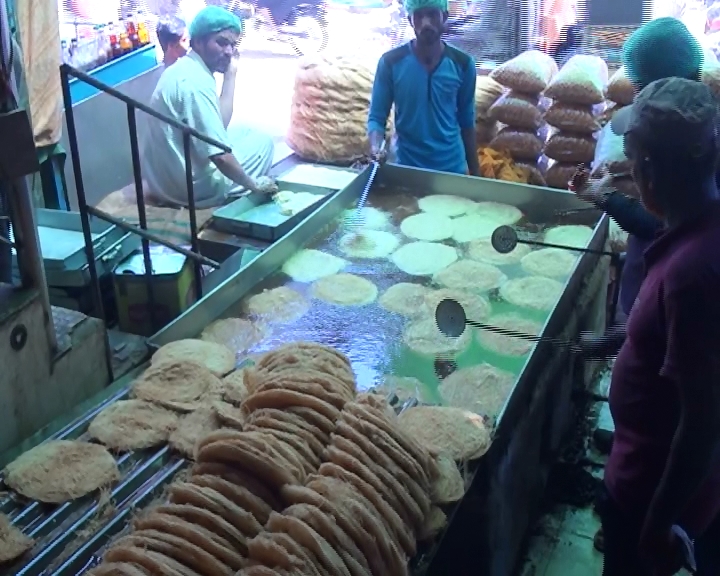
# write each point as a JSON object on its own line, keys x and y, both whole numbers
{"x": 404, "y": 298}
{"x": 424, "y": 258}
{"x": 428, "y": 227}
{"x": 550, "y": 262}
{"x": 309, "y": 265}
{"x": 370, "y": 244}
{"x": 470, "y": 276}
{"x": 482, "y": 250}
{"x": 535, "y": 292}
{"x": 575, "y": 236}
{"x": 345, "y": 290}
{"x": 446, "y": 205}
{"x": 292, "y": 203}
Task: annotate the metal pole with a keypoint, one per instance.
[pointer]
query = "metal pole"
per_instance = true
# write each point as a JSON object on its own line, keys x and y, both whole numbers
{"x": 84, "y": 216}
{"x": 152, "y": 237}
{"x": 191, "y": 206}
{"x": 135, "y": 152}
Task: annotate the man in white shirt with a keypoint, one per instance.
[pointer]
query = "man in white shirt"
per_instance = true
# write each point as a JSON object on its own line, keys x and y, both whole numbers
{"x": 187, "y": 92}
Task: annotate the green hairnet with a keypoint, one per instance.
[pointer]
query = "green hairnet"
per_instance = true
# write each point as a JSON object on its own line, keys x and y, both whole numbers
{"x": 415, "y": 5}
{"x": 213, "y": 19}
{"x": 662, "y": 48}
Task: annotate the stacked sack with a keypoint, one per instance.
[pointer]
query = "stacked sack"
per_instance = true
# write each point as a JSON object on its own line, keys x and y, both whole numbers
{"x": 487, "y": 92}
{"x": 522, "y": 107}
{"x": 328, "y": 117}
{"x": 577, "y": 91}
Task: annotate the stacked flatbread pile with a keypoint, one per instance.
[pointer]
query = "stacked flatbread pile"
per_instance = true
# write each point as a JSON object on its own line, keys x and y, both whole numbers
{"x": 319, "y": 482}
{"x": 522, "y": 107}
{"x": 328, "y": 117}
{"x": 577, "y": 91}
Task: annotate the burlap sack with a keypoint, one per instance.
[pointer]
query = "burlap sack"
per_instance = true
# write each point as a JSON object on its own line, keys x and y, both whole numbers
{"x": 577, "y": 118}
{"x": 568, "y": 147}
{"x": 518, "y": 110}
{"x": 328, "y": 116}
{"x": 619, "y": 89}
{"x": 520, "y": 144}
{"x": 582, "y": 80}
{"x": 536, "y": 172}
{"x": 529, "y": 72}
{"x": 559, "y": 174}
{"x": 487, "y": 91}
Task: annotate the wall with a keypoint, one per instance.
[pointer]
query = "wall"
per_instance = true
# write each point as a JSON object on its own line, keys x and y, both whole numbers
{"x": 104, "y": 139}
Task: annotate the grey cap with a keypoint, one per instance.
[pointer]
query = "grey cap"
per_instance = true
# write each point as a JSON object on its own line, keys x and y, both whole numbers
{"x": 672, "y": 113}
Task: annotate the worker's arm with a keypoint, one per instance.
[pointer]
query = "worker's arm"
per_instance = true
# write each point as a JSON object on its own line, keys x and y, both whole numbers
{"x": 466, "y": 117}
{"x": 692, "y": 365}
{"x": 631, "y": 216}
{"x": 227, "y": 95}
{"x": 380, "y": 105}
{"x": 230, "y": 168}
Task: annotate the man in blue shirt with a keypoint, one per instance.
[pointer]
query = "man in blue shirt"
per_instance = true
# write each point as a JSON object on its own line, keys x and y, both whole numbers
{"x": 432, "y": 86}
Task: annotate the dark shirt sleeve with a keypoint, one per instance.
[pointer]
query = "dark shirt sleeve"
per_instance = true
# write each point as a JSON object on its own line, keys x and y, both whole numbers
{"x": 382, "y": 98}
{"x": 466, "y": 97}
{"x": 631, "y": 216}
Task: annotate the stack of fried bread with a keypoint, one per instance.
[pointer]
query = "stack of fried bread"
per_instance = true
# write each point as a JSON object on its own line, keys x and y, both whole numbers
{"x": 319, "y": 481}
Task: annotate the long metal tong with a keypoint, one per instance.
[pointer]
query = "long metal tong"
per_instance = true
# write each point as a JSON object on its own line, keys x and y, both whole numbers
{"x": 355, "y": 220}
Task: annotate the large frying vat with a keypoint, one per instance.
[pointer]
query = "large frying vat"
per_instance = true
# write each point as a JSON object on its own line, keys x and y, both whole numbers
{"x": 487, "y": 528}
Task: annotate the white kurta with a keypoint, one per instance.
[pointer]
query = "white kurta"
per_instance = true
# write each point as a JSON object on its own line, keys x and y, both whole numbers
{"x": 187, "y": 93}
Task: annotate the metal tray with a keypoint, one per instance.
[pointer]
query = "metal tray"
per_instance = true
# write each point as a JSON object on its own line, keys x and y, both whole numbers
{"x": 320, "y": 175}
{"x": 63, "y": 247}
{"x": 261, "y": 219}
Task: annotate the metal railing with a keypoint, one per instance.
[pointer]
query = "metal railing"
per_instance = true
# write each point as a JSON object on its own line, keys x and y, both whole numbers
{"x": 66, "y": 73}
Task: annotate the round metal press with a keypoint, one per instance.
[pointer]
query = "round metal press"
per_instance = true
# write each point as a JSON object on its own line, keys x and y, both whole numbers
{"x": 504, "y": 239}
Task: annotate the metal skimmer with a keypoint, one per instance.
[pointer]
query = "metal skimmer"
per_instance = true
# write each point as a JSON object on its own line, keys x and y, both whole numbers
{"x": 355, "y": 222}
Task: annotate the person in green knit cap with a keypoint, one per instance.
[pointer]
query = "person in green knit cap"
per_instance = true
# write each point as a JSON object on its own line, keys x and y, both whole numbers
{"x": 432, "y": 86}
{"x": 187, "y": 92}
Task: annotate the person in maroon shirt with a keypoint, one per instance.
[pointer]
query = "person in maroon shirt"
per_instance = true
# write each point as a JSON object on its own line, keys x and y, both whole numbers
{"x": 664, "y": 467}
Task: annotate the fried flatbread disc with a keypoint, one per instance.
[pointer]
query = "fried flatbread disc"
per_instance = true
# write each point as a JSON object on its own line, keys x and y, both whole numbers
{"x": 209, "y": 499}
{"x": 367, "y": 219}
{"x": 424, "y": 258}
{"x": 259, "y": 571}
{"x": 313, "y": 417}
{"x": 208, "y": 519}
{"x": 404, "y": 387}
{"x": 149, "y": 561}
{"x": 234, "y": 390}
{"x": 427, "y": 227}
{"x": 239, "y": 478}
{"x": 229, "y": 415}
{"x": 117, "y": 569}
{"x": 237, "y": 494}
{"x": 310, "y": 459}
{"x": 476, "y": 307}
{"x": 235, "y": 334}
{"x": 404, "y": 298}
{"x": 550, "y": 262}
{"x": 320, "y": 357}
{"x": 322, "y": 386}
{"x": 264, "y": 549}
{"x": 434, "y": 524}
{"x": 473, "y": 227}
{"x": 482, "y": 250}
{"x": 179, "y": 549}
{"x": 311, "y": 565}
{"x": 470, "y": 276}
{"x": 459, "y": 433}
{"x": 61, "y": 470}
{"x": 220, "y": 548}
{"x": 133, "y": 425}
{"x": 424, "y": 337}
{"x": 345, "y": 290}
{"x": 509, "y": 345}
{"x": 280, "y": 304}
{"x": 503, "y": 214}
{"x": 446, "y": 205}
{"x": 288, "y": 398}
{"x": 248, "y": 459}
{"x": 575, "y": 236}
{"x": 192, "y": 427}
{"x": 309, "y": 265}
{"x": 310, "y": 539}
{"x": 292, "y": 424}
{"x": 449, "y": 486}
{"x": 368, "y": 244}
{"x": 347, "y": 522}
{"x": 214, "y": 357}
{"x": 535, "y": 292}
{"x": 177, "y": 385}
{"x": 13, "y": 543}
{"x": 482, "y": 388}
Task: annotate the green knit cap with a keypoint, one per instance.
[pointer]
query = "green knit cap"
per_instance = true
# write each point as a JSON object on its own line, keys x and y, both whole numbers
{"x": 415, "y": 5}
{"x": 213, "y": 19}
{"x": 662, "y": 48}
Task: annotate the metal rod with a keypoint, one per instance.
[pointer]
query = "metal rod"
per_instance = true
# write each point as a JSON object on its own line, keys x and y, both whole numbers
{"x": 152, "y": 237}
{"x": 563, "y": 247}
{"x": 84, "y": 214}
{"x": 142, "y": 216}
{"x": 67, "y": 71}
{"x": 573, "y": 346}
{"x": 193, "y": 217}
{"x": 615, "y": 263}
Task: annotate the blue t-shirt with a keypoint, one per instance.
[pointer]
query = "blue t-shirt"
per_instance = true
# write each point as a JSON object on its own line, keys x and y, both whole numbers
{"x": 431, "y": 107}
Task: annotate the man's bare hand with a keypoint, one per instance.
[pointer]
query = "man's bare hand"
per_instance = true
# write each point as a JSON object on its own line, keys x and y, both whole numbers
{"x": 265, "y": 185}
{"x": 596, "y": 188}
